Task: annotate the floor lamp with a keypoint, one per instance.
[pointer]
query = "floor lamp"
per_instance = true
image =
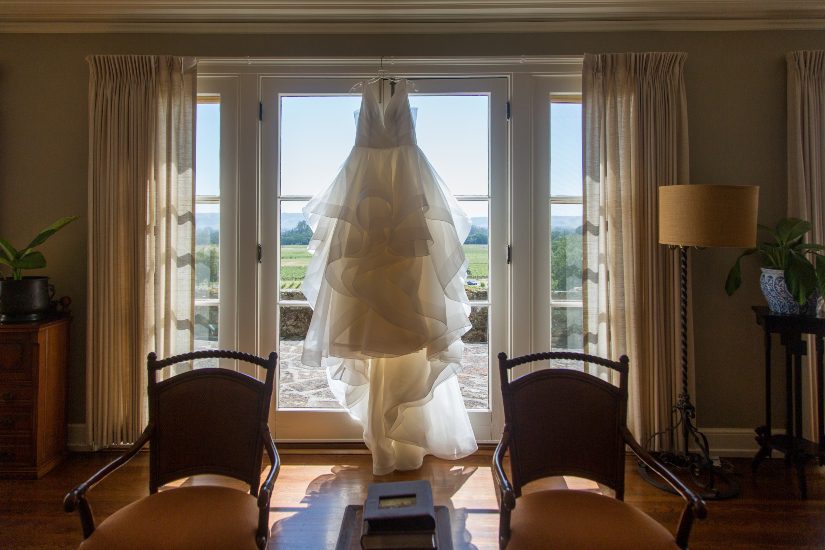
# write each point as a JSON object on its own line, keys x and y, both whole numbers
{"x": 700, "y": 216}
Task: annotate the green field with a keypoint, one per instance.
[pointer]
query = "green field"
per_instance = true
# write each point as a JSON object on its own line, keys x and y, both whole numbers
{"x": 295, "y": 259}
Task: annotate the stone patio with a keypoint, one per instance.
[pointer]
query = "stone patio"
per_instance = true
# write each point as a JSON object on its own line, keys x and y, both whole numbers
{"x": 306, "y": 387}
{"x": 303, "y": 387}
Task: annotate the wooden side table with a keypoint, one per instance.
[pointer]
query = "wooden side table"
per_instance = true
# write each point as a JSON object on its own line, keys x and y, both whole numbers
{"x": 33, "y": 363}
{"x": 797, "y": 449}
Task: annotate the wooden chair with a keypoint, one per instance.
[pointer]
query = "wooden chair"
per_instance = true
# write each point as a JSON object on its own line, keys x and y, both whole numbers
{"x": 203, "y": 421}
{"x": 561, "y": 421}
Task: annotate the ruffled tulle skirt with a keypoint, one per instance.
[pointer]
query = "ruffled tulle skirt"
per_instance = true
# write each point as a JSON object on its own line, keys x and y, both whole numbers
{"x": 386, "y": 283}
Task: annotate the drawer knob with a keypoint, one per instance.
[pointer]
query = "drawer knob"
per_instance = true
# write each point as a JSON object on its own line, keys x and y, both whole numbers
{"x": 6, "y": 457}
{"x": 6, "y": 422}
{"x": 8, "y": 396}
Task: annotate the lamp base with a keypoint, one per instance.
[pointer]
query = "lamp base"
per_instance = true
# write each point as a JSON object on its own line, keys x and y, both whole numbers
{"x": 710, "y": 478}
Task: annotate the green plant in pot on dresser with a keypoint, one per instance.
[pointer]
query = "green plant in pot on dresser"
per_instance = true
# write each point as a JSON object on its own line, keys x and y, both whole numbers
{"x": 26, "y": 298}
{"x": 793, "y": 271}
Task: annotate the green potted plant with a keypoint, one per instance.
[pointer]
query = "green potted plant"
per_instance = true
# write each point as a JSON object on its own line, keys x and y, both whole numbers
{"x": 793, "y": 272}
{"x": 26, "y": 298}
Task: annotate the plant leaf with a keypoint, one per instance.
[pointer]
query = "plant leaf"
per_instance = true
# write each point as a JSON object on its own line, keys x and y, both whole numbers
{"x": 771, "y": 256}
{"x": 806, "y": 247}
{"x": 35, "y": 260}
{"x": 7, "y": 250}
{"x": 48, "y": 232}
{"x": 800, "y": 277}
{"x": 820, "y": 275}
{"x": 789, "y": 230}
{"x": 734, "y": 279}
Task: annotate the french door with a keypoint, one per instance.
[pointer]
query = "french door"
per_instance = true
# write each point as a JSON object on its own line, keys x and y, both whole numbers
{"x": 272, "y": 133}
{"x": 307, "y": 130}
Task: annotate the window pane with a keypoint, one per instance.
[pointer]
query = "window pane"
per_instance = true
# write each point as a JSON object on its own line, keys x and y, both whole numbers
{"x": 208, "y": 146}
{"x": 317, "y": 135}
{"x": 295, "y": 236}
{"x": 565, "y": 149}
{"x": 566, "y": 251}
{"x": 566, "y": 332}
{"x": 300, "y": 386}
{"x": 476, "y": 249}
{"x": 453, "y": 131}
{"x": 206, "y": 332}
{"x": 207, "y": 250}
{"x": 474, "y": 375}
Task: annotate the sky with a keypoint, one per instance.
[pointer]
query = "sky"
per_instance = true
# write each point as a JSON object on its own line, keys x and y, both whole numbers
{"x": 318, "y": 132}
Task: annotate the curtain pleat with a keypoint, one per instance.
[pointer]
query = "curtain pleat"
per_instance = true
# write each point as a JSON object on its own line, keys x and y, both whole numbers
{"x": 806, "y": 158}
{"x": 806, "y": 139}
{"x": 140, "y": 190}
{"x": 635, "y": 133}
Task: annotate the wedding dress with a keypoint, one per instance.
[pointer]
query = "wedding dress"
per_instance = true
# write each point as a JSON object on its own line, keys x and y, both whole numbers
{"x": 386, "y": 284}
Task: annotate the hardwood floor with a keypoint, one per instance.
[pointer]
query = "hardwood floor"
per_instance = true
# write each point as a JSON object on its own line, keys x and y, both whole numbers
{"x": 313, "y": 490}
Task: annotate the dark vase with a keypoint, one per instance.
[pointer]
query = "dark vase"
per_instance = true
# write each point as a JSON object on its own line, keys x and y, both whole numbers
{"x": 25, "y": 300}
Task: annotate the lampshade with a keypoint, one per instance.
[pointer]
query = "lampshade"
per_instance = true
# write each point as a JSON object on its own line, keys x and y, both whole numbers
{"x": 708, "y": 215}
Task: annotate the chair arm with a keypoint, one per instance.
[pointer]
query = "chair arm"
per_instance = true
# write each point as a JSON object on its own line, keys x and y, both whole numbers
{"x": 265, "y": 492}
{"x": 695, "y": 505}
{"x": 506, "y": 495}
{"x": 76, "y": 498}
{"x": 506, "y": 492}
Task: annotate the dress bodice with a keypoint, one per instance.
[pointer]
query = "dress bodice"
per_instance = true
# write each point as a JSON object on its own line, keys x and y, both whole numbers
{"x": 387, "y": 124}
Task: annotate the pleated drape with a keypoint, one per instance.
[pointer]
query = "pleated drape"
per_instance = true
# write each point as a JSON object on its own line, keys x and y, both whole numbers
{"x": 806, "y": 139}
{"x": 806, "y": 157}
{"x": 141, "y": 234}
{"x": 635, "y": 139}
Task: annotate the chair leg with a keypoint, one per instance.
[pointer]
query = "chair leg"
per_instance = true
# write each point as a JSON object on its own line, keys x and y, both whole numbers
{"x": 504, "y": 528}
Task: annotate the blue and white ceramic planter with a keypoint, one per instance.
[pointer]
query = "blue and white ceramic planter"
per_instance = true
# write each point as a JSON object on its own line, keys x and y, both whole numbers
{"x": 779, "y": 299}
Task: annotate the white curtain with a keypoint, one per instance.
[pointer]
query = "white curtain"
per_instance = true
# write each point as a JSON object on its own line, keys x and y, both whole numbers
{"x": 635, "y": 139}
{"x": 806, "y": 157}
{"x": 141, "y": 232}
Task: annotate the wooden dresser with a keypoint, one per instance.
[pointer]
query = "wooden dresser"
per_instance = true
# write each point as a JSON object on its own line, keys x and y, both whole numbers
{"x": 33, "y": 364}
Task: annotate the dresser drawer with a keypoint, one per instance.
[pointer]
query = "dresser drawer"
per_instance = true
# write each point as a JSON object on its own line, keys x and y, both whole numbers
{"x": 16, "y": 450}
{"x": 16, "y": 357}
{"x": 14, "y": 395}
{"x": 13, "y": 421}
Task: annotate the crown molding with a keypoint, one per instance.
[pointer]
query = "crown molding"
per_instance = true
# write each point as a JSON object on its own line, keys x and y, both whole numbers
{"x": 404, "y": 16}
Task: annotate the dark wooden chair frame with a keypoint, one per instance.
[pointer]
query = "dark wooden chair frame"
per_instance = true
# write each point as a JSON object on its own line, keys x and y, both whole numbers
{"x": 76, "y": 498}
{"x": 508, "y": 491}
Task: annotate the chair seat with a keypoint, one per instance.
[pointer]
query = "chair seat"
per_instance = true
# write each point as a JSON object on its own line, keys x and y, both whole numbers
{"x": 573, "y": 520}
{"x": 181, "y": 519}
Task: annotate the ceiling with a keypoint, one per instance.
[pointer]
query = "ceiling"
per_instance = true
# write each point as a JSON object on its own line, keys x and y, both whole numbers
{"x": 380, "y": 16}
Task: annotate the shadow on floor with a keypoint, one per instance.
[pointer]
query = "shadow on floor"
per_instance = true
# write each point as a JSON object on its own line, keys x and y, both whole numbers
{"x": 316, "y": 523}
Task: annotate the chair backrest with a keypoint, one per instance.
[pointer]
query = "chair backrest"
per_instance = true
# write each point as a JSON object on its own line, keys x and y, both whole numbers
{"x": 208, "y": 421}
{"x": 565, "y": 422}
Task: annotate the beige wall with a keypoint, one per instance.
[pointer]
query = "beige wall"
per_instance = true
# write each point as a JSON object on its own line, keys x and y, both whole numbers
{"x": 736, "y": 102}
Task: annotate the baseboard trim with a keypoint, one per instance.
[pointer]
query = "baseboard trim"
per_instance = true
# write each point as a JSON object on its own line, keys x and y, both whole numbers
{"x": 726, "y": 442}
{"x": 730, "y": 442}
{"x": 76, "y": 439}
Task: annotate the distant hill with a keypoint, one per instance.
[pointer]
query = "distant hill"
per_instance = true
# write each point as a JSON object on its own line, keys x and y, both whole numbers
{"x": 291, "y": 220}
{"x": 566, "y": 222}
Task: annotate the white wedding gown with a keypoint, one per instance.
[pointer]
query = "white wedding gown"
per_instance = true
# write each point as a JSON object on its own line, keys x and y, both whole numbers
{"x": 386, "y": 284}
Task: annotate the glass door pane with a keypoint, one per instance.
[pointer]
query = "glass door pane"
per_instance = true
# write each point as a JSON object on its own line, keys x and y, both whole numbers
{"x": 309, "y": 140}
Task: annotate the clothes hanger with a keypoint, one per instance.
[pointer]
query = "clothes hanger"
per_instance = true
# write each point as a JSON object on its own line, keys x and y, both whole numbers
{"x": 381, "y": 77}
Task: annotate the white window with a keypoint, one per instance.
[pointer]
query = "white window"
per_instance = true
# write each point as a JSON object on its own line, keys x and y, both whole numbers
{"x": 488, "y": 128}
{"x": 216, "y": 186}
{"x": 566, "y": 222}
